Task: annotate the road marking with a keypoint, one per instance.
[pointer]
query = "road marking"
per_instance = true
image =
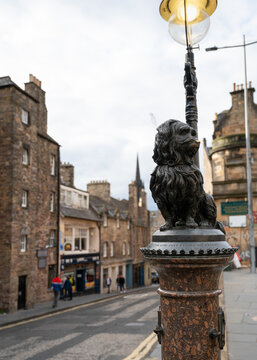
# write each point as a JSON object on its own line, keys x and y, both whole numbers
{"x": 40, "y": 317}
{"x": 143, "y": 349}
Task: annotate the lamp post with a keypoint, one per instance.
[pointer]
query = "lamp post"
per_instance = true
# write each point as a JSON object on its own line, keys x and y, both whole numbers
{"x": 189, "y": 252}
{"x": 248, "y": 151}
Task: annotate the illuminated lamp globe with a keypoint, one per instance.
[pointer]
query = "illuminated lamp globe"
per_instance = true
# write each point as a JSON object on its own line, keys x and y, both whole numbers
{"x": 198, "y": 23}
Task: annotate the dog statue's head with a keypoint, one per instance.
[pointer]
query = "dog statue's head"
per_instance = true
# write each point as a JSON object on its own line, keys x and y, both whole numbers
{"x": 175, "y": 144}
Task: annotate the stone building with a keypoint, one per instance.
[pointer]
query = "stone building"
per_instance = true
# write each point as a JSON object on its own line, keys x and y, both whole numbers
{"x": 225, "y": 169}
{"x": 79, "y": 235}
{"x": 29, "y": 188}
{"x": 125, "y": 229}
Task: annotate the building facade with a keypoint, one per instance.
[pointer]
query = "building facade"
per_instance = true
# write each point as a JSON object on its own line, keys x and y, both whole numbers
{"x": 225, "y": 169}
{"x": 125, "y": 229}
{"x": 29, "y": 188}
{"x": 79, "y": 236}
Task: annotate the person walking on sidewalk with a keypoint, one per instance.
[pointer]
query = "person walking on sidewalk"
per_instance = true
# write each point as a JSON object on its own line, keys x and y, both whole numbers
{"x": 56, "y": 285}
{"x": 108, "y": 283}
{"x": 67, "y": 288}
{"x": 122, "y": 283}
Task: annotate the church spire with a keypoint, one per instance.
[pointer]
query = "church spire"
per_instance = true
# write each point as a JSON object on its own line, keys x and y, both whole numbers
{"x": 139, "y": 183}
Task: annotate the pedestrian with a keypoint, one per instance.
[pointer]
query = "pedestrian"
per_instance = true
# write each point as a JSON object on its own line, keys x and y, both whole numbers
{"x": 118, "y": 282}
{"x": 56, "y": 285}
{"x": 122, "y": 283}
{"x": 108, "y": 283}
{"x": 68, "y": 288}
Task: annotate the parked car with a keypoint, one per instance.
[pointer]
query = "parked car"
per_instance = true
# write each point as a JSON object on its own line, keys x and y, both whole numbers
{"x": 155, "y": 277}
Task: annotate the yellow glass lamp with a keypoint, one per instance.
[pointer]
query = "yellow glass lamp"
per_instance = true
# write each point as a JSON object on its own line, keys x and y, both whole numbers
{"x": 189, "y": 20}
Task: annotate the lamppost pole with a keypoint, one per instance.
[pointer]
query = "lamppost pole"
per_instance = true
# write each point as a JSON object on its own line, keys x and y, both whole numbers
{"x": 248, "y": 152}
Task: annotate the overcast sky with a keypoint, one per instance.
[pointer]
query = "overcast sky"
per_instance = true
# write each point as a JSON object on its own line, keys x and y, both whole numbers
{"x": 107, "y": 65}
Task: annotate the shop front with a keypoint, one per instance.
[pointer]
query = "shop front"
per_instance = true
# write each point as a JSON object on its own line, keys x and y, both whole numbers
{"x": 84, "y": 272}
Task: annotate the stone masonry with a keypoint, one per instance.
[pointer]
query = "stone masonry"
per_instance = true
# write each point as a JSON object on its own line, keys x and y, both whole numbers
{"x": 24, "y": 269}
{"x": 225, "y": 163}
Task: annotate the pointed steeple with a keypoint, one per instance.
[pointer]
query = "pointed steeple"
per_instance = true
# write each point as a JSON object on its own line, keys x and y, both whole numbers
{"x": 138, "y": 181}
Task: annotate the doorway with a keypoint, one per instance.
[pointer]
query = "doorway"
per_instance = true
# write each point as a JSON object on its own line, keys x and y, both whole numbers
{"x": 22, "y": 292}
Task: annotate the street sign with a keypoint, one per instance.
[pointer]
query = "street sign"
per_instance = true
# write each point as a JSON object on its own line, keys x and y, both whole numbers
{"x": 234, "y": 208}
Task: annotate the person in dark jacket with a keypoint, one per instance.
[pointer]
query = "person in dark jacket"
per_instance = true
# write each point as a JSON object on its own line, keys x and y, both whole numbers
{"x": 67, "y": 288}
{"x": 56, "y": 285}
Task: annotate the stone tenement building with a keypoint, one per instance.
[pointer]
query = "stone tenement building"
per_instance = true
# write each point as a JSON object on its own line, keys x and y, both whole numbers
{"x": 225, "y": 169}
{"x": 29, "y": 188}
{"x": 125, "y": 229}
{"x": 79, "y": 236}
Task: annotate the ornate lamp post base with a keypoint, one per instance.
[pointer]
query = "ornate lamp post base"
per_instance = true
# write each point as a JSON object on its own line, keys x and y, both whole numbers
{"x": 189, "y": 263}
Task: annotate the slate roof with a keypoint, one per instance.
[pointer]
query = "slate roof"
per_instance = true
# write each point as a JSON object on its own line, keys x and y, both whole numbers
{"x": 110, "y": 206}
{"x": 86, "y": 214}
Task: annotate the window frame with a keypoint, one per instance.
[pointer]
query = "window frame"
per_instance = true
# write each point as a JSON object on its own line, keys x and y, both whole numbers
{"x": 23, "y": 113}
{"x": 123, "y": 249}
{"x": 105, "y": 249}
{"x": 52, "y": 239}
{"x": 25, "y": 149}
{"x": 52, "y": 164}
{"x": 52, "y": 202}
{"x": 24, "y": 199}
{"x": 23, "y": 243}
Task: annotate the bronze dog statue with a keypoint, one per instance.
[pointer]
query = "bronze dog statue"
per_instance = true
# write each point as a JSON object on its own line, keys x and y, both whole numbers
{"x": 176, "y": 183}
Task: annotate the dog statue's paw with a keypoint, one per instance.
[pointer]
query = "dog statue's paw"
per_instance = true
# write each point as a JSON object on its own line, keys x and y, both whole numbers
{"x": 166, "y": 226}
{"x": 191, "y": 223}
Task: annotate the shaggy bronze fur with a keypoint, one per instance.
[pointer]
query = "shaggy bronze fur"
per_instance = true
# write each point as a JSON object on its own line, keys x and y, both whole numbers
{"x": 176, "y": 183}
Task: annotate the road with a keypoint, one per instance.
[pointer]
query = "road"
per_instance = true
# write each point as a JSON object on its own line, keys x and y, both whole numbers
{"x": 109, "y": 330}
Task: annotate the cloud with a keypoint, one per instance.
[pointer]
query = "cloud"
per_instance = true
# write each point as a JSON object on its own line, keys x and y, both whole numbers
{"x": 106, "y": 65}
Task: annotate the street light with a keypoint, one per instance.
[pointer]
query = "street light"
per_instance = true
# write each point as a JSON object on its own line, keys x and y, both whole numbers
{"x": 190, "y": 250}
{"x": 188, "y": 23}
{"x": 248, "y": 151}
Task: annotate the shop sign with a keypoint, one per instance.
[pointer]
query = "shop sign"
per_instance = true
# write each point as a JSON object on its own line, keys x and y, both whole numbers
{"x": 234, "y": 208}
{"x": 78, "y": 259}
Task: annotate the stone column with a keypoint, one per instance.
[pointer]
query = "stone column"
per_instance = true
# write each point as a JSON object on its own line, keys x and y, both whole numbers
{"x": 189, "y": 263}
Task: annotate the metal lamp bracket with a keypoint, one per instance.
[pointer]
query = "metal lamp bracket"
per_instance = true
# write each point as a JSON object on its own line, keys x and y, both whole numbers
{"x": 159, "y": 331}
{"x": 220, "y": 333}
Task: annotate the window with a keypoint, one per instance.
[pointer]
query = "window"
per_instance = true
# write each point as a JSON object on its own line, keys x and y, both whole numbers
{"x": 23, "y": 243}
{"x": 128, "y": 249}
{"x": 24, "y": 199}
{"x": 52, "y": 164}
{"x": 81, "y": 239}
{"x": 68, "y": 239}
{"x": 140, "y": 202}
{"x": 118, "y": 222}
{"x": 25, "y": 156}
{"x": 52, "y": 202}
{"x": 124, "y": 249}
{"x": 24, "y": 117}
{"x": 128, "y": 225}
{"x": 105, "y": 252}
{"x": 52, "y": 240}
{"x": 105, "y": 220}
{"x": 112, "y": 249}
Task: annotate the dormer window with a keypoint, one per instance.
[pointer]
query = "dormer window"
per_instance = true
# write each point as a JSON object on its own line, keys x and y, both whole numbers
{"x": 118, "y": 222}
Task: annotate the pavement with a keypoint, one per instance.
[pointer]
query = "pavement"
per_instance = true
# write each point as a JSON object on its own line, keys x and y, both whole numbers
{"x": 240, "y": 303}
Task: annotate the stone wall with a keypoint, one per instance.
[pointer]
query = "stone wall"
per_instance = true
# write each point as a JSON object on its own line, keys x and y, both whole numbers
{"x": 35, "y": 221}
